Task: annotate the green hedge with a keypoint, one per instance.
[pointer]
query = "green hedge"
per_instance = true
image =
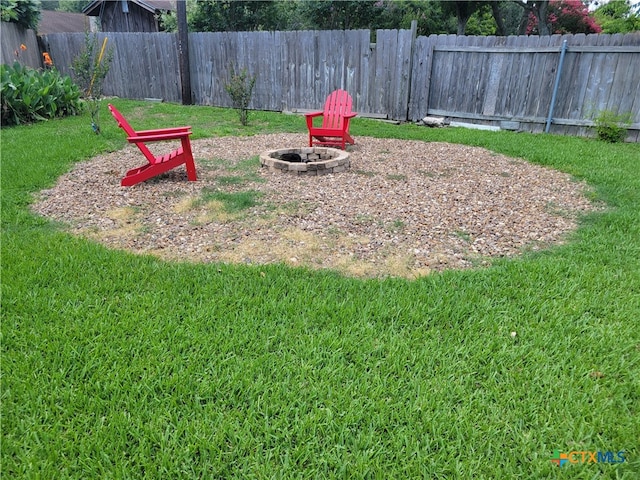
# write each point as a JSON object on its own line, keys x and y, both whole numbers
{"x": 30, "y": 95}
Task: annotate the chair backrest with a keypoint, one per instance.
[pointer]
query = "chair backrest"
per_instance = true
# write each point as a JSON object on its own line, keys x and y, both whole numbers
{"x": 124, "y": 125}
{"x": 337, "y": 105}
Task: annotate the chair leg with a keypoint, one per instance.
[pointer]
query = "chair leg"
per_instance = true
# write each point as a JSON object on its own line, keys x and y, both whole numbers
{"x": 189, "y": 163}
{"x": 191, "y": 170}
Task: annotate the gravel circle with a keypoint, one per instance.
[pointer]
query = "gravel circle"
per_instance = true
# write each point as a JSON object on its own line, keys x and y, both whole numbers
{"x": 405, "y": 207}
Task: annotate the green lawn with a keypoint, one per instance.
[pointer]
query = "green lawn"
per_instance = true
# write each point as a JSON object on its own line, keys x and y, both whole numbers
{"x": 123, "y": 366}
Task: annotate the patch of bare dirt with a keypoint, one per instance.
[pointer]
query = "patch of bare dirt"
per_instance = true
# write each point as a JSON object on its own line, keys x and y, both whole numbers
{"x": 405, "y": 208}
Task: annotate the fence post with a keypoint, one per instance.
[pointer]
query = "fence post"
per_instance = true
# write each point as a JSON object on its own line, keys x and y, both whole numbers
{"x": 183, "y": 52}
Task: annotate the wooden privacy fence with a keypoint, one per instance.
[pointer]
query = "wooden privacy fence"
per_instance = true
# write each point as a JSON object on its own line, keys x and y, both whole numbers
{"x": 13, "y": 36}
{"x": 511, "y": 80}
{"x": 294, "y": 70}
{"x": 506, "y": 81}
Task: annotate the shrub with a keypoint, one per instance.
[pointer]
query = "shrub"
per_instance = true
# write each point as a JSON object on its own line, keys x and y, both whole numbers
{"x": 612, "y": 127}
{"x": 90, "y": 68}
{"x": 239, "y": 89}
{"x": 30, "y": 95}
{"x": 25, "y": 13}
{"x": 566, "y": 16}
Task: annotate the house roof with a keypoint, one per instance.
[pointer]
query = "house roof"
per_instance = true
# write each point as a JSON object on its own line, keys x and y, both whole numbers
{"x": 60, "y": 22}
{"x": 93, "y": 9}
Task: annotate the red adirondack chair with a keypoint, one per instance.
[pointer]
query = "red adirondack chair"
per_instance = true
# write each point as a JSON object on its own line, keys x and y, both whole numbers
{"x": 335, "y": 121}
{"x": 157, "y": 164}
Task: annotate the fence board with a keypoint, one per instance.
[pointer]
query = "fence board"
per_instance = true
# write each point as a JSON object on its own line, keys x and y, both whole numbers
{"x": 509, "y": 70}
{"x": 421, "y": 77}
{"x": 521, "y": 84}
{"x": 490, "y": 95}
{"x": 464, "y": 82}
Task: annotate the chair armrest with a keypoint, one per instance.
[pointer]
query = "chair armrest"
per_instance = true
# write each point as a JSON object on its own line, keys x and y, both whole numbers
{"x": 162, "y": 131}
{"x": 350, "y": 115}
{"x": 313, "y": 114}
{"x": 159, "y": 137}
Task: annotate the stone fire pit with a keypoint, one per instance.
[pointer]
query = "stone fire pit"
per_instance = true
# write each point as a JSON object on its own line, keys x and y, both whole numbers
{"x": 306, "y": 160}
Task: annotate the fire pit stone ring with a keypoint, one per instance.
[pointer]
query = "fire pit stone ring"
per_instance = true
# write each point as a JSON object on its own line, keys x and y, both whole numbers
{"x": 306, "y": 160}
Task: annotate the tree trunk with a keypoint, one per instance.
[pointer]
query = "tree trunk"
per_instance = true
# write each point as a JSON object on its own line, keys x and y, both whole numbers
{"x": 539, "y": 9}
{"x": 497, "y": 15}
{"x": 464, "y": 10}
{"x": 524, "y": 19}
{"x": 541, "y": 13}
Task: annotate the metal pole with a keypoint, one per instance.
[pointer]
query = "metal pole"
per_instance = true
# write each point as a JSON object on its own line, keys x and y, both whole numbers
{"x": 555, "y": 87}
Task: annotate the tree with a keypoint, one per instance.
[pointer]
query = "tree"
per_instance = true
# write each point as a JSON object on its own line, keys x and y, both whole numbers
{"x": 214, "y": 16}
{"x": 73, "y": 6}
{"x": 233, "y": 16}
{"x": 430, "y": 15}
{"x": 477, "y": 17}
{"x": 511, "y": 14}
{"x": 487, "y": 20}
{"x": 90, "y": 67}
{"x": 617, "y": 17}
{"x": 342, "y": 15}
{"x": 496, "y": 11}
{"x": 432, "y": 18}
{"x": 50, "y": 5}
{"x": 565, "y": 16}
{"x": 23, "y": 12}
{"x": 536, "y": 10}
{"x": 462, "y": 11}
{"x": 219, "y": 15}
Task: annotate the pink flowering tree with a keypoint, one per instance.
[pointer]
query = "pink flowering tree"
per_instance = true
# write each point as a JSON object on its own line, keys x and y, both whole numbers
{"x": 565, "y": 16}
